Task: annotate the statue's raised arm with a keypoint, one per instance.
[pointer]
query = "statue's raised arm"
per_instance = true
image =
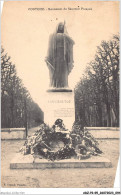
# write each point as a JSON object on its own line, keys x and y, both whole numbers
{"x": 60, "y": 57}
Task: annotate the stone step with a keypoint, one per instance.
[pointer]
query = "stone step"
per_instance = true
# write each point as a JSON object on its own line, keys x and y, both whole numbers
{"x": 26, "y": 162}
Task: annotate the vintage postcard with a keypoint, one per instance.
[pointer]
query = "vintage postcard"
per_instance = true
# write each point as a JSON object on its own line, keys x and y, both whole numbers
{"x": 60, "y": 95}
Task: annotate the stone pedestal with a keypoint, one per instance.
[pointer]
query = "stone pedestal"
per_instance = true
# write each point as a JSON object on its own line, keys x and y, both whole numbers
{"x": 26, "y": 162}
{"x": 59, "y": 105}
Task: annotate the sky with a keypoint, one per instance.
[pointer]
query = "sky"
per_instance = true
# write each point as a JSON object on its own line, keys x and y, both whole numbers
{"x": 25, "y": 33}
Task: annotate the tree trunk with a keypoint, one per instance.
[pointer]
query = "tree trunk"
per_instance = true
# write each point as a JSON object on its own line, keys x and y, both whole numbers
{"x": 108, "y": 115}
{"x": 99, "y": 108}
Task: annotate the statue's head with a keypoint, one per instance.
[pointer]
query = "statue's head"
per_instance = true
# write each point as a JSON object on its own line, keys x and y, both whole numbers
{"x": 60, "y": 28}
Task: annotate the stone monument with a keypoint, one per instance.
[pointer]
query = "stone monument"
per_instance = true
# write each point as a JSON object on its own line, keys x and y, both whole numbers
{"x": 59, "y": 98}
{"x": 53, "y": 146}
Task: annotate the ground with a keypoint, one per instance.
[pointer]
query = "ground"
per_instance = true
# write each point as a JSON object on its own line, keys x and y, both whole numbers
{"x": 58, "y": 178}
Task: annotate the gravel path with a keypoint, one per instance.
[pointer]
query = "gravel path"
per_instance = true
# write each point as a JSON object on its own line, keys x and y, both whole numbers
{"x": 58, "y": 178}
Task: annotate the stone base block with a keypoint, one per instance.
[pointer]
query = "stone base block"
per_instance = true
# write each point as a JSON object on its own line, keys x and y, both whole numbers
{"x": 59, "y": 105}
{"x": 26, "y": 162}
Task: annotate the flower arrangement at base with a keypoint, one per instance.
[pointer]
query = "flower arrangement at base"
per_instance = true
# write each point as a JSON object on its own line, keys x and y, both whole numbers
{"x": 57, "y": 143}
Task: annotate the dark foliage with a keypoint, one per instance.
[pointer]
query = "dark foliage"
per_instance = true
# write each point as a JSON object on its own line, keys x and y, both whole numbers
{"x": 17, "y": 107}
{"x": 97, "y": 93}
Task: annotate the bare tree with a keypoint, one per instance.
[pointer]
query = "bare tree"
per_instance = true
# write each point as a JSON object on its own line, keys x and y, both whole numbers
{"x": 16, "y": 102}
{"x": 101, "y": 86}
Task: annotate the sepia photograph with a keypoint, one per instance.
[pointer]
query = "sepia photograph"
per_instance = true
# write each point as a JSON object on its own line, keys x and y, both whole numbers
{"x": 60, "y": 94}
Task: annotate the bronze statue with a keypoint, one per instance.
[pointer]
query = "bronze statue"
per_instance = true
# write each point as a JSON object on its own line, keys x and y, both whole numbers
{"x": 60, "y": 57}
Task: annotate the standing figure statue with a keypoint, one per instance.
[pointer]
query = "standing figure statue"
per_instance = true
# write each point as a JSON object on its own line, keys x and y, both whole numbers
{"x": 60, "y": 57}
